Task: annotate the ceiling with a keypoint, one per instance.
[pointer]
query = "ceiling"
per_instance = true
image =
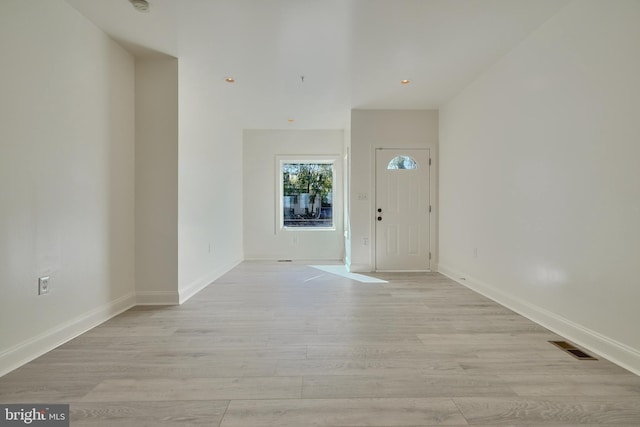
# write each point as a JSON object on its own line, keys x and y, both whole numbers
{"x": 352, "y": 53}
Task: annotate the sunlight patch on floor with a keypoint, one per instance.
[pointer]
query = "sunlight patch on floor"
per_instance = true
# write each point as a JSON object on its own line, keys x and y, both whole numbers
{"x": 341, "y": 270}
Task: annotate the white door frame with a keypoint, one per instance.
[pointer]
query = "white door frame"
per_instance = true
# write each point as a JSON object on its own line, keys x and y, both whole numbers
{"x": 433, "y": 237}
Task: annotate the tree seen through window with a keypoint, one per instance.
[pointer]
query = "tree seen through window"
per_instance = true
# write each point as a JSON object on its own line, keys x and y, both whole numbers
{"x": 307, "y": 191}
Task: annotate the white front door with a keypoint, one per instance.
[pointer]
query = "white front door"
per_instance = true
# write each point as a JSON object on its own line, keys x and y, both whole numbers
{"x": 402, "y": 209}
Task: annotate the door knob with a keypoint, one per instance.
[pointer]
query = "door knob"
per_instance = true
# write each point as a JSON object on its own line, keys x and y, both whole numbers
{"x": 379, "y": 218}
{"x": 379, "y": 210}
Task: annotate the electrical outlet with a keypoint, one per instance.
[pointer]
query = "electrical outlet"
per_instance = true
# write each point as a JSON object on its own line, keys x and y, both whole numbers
{"x": 365, "y": 241}
{"x": 43, "y": 285}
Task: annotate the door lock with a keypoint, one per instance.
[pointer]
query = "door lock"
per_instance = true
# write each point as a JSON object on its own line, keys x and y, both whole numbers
{"x": 379, "y": 218}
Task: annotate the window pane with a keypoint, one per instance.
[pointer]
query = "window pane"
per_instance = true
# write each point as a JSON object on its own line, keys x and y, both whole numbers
{"x": 402, "y": 162}
{"x": 307, "y": 195}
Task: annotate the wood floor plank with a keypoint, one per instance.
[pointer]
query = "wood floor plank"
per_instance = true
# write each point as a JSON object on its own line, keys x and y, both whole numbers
{"x": 542, "y": 366}
{"x": 196, "y": 389}
{"x": 147, "y": 414}
{"x": 109, "y": 330}
{"x": 342, "y": 412}
{"x": 145, "y": 367}
{"x": 345, "y": 337}
{"x": 185, "y": 341}
{"x": 361, "y": 386}
{"x": 366, "y": 367}
{"x": 573, "y": 385}
{"x": 217, "y": 354}
{"x": 16, "y": 389}
{"x": 383, "y": 351}
{"x": 557, "y": 411}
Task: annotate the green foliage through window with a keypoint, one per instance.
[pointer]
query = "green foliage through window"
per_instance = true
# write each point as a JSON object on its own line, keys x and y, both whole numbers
{"x": 307, "y": 192}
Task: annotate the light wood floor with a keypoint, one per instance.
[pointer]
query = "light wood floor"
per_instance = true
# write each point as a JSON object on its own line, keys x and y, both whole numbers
{"x": 275, "y": 344}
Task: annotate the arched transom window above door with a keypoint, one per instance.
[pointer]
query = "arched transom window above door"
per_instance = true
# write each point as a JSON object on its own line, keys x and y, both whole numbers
{"x": 402, "y": 162}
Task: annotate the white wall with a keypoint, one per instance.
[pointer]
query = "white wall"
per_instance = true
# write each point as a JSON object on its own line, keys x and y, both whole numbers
{"x": 371, "y": 129}
{"x": 66, "y": 177}
{"x": 209, "y": 181}
{"x": 539, "y": 172}
{"x": 262, "y": 240}
{"x": 156, "y": 171}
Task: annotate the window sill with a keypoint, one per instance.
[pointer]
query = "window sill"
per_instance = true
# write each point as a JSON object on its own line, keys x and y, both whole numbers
{"x": 309, "y": 228}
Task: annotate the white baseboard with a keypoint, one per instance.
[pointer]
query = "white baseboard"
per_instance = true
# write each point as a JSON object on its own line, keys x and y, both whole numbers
{"x": 270, "y": 257}
{"x": 203, "y": 282}
{"x": 157, "y": 298}
{"x": 259, "y": 257}
{"x": 616, "y": 352}
{"x": 34, "y": 347}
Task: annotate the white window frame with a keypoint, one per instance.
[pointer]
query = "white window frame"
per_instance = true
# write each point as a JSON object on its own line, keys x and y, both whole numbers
{"x": 333, "y": 160}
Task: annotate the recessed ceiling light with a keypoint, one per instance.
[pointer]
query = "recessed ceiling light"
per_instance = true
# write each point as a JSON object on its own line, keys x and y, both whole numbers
{"x": 140, "y": 5}
{"x": 229, "y": 80}
{"x": 405, "y": 82}
{"x": 290, "y": 120}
